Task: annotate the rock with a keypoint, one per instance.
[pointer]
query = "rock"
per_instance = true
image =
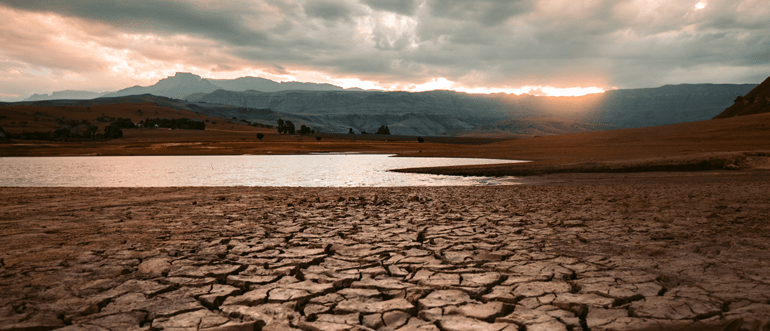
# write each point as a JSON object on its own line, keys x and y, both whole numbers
{"x": 245, "y": 282}
{"x": 579, "y": 303}
{"x": 266, "y": 314}
{"x": 149, "y": 288}
{"x": 676, "y": 309}
{"x": 119, "y": 321}
{"x": 536, "y": 289}
{"x": 443, "y": 298}
{"x": 38, "y": 321}
{"x": 373, "y": 321}
{"x": 311, "y": 310}
{"x": 500, "y": 293}
{"x": 480, "y": 280}
{"x": 155, "y": 267}
{"x": 324, "y": 326}
{"x": 598, "y": 316}
{"x": 353, "y": 293}
{"x": 526, "y": 316}
{"x": 485, "y": 312}
{"x": 352, "y": 306}
{"x": 350, "y": 319}
{"x": 219, "y": 271}
{"x": 185, "y": 281}
{"x": 416, "y": 324}
{"x": 201, "y": 320}
{"x": 217, "y": 295}
{"x": 462, "y": 323}
{"x": 381, "y": 284}
{"x": 251, "y": 298}
{"x": 395, "y": 319}
{"x": 431, "y": 315}
{"x": 756, "y": 315}
{"x": 633, "y": 323}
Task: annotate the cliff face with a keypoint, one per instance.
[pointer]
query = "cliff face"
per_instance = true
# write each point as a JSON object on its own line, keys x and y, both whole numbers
{"x": 755, "y": 102}
{"x": 447, "y": 112}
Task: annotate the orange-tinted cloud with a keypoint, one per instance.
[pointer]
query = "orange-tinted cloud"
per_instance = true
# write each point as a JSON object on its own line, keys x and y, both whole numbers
{"x": 494, "y": 45}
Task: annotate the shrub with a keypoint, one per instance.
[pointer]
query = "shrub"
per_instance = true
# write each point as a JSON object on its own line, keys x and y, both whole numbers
{"x": 318, "y": 138}
{"x": 420, "y": 140}
{"x": 260, "y": 136}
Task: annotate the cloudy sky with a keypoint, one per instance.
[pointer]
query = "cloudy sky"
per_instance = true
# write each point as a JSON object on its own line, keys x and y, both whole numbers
{"x": 543, "y": 46}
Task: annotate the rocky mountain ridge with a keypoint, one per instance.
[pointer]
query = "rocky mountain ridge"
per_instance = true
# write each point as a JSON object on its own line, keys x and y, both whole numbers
{"x": 183, "y": 84}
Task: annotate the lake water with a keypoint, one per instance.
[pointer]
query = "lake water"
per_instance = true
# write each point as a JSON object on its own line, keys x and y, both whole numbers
{"x": 324, "y": 170}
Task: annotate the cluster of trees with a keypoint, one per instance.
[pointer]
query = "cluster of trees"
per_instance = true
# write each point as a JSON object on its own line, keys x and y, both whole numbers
{"x": 81, "y": 131}
{"x": 286, "y": 126}
{"x": 381, "y": 130}
{"x": 174, "y": 123}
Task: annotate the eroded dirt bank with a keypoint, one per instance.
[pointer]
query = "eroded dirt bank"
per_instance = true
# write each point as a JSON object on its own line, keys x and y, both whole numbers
{"x": 623, "y": 254}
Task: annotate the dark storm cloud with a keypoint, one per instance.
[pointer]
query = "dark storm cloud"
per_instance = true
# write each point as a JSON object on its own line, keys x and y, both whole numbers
{"x": 484, "y": 12}
{"x": 490, "y": 43}
{"x": 157, "y": 16}
{"x": 403, "y": 7}
{"x": 328, "y": 10}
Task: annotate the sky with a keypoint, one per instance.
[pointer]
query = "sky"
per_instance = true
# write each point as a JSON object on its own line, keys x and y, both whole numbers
{"x": 541, "y": 47}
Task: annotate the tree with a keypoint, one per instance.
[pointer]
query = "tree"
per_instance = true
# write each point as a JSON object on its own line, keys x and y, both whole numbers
{"x": 290, "y": 127}
{"x": 113, "y": 131}
{"x": 351, "y": 131}
{"x": 304, "y": 129}
{"x": 281, "y": 126}
{"x": 91, "y": 131}
{"x": 420, "y": 140}
{"x": 383, "y": 130}
{"x": 260, "y": 136}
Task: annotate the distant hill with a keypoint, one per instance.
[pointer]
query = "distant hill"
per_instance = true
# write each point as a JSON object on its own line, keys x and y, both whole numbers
{"x": 757, "y": 101}
{"x": 65, "y": 95}
{"x": 454, "y": 113}
{"x": 266, "y": 85}
{"x": 183, "y": 84}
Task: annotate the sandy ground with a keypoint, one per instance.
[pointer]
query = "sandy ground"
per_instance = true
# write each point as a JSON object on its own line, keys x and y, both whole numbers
{"x": 578, "y": 252}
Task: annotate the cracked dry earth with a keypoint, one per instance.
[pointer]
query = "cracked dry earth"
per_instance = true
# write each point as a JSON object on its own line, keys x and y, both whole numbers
{"x": 690, "y": 256}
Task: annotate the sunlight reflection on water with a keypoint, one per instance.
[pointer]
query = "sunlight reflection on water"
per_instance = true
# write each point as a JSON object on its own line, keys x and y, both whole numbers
{"x": 320, "y": 170}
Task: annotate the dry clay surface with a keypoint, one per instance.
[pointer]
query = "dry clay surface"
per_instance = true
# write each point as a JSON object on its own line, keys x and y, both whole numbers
{"x": 621, "y": 256}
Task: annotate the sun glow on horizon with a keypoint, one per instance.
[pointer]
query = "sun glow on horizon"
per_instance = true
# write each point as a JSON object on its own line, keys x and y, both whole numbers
{"x": 437, "y": 84}
{"x": 444, "y": 84}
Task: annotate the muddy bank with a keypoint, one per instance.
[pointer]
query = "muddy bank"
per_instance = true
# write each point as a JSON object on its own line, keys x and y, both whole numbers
{"x": 755, "y": 160}
{"x": 624, "y": 254}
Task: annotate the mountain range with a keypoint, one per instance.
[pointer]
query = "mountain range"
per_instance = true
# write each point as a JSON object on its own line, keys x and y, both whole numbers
{"x": 183, "y": 84}
{"x": 330, "y": 108}
{"x": 455, "y": 113}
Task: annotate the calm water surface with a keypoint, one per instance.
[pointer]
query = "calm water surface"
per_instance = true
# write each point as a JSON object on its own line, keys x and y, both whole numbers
{"x": 326, "y": 170}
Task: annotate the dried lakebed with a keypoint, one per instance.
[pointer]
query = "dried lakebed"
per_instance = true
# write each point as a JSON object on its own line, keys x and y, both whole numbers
{"x": 686, "y": 256}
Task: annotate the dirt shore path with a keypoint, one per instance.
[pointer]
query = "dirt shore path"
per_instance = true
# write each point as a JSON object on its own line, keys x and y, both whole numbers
{"x": 621, "y": 253}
